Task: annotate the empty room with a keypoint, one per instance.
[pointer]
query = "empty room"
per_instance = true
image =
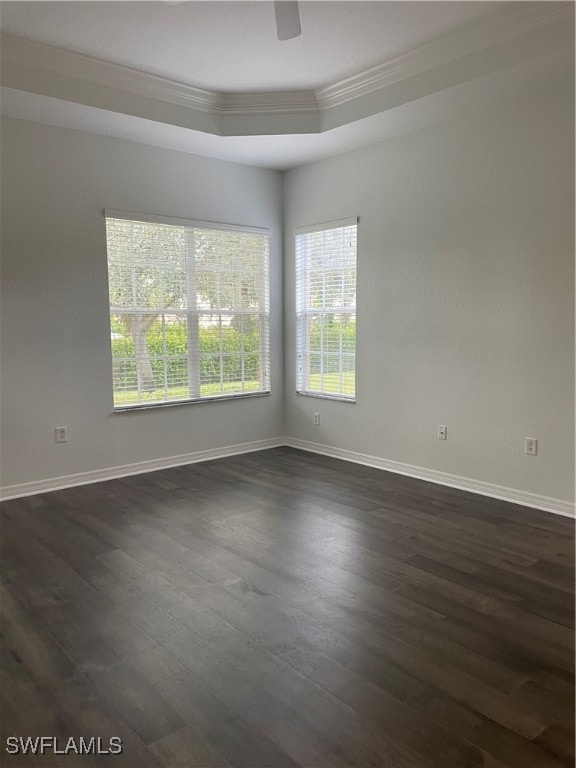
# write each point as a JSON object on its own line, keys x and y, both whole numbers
{"x": 287, "y": 384}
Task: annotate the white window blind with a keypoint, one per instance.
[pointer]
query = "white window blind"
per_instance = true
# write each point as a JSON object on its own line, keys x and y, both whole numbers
{"x": 326, "y": 309}
{"x": 189, "y": 310}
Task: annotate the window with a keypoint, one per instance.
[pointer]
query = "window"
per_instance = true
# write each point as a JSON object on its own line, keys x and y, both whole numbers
{"x": 189, "y": 309}
{"x": 326, "y": 310}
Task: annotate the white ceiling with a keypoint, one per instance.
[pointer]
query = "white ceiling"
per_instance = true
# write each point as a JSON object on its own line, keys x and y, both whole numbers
{"x": 361, "y": 72}
{"x": 232, "y": 46}
{"x": 281, "y": 152}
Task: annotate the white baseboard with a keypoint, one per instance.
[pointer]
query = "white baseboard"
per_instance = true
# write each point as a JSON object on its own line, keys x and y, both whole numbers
{"x": 525, "y": 498}
{"x": 140, "y": 467}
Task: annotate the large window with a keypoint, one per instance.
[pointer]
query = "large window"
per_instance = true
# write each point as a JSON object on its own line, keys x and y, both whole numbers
{"x": 326, "y": 310}
{"x": 189, "y": 309}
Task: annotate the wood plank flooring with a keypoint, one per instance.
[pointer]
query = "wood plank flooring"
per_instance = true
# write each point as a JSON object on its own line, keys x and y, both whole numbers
{"x": 284, "y": 609}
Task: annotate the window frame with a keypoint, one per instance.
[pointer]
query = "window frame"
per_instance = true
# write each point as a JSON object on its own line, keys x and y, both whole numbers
{"x": 304, "y": 313}
{"x": 263, "y": 278}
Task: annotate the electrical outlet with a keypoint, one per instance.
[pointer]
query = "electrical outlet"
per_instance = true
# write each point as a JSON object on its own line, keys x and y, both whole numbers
{"x": 316, "y": 419}
{"x": 531, "y": 446}
{"x": 441, "y": 432}
{"x": 61, "y": 435}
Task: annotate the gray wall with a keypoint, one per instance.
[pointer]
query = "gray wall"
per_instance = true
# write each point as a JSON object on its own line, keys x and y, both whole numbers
{"x": 465, "y": 294}
{"x": 56, "y": 360}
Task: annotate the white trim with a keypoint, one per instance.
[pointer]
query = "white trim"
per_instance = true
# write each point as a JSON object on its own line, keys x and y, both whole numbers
{"x": 325, "y": 396}
{"x": 513, "y": 495}
{"x": 29, "y": 53}
{"x": 193, "y": 223}
{"x": 26, "y": 64}
{"x": 475, "y": 37}
{"x": 139, "y": 468}
{"x": 275, "y": 102}
{"x": 340, "y": 223}
{"x": 62, "y": 61}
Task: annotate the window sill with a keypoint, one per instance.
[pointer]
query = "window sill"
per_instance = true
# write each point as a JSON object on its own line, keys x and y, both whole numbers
{"x": 322, "y": 396}
{"x": 192, "y": 401}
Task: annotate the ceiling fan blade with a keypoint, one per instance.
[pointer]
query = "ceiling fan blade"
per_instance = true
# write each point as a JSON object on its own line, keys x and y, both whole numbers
{"x": 287, "y": 19}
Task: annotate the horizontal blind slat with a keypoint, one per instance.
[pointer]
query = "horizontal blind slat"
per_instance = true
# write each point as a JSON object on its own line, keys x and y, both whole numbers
{"x": 202, "y": 291}
{"x": 326, "y": 308}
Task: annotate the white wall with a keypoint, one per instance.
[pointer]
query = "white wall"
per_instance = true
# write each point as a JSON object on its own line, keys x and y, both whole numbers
{"x": 56, "y": 360}
{"x": 465, "y": 294}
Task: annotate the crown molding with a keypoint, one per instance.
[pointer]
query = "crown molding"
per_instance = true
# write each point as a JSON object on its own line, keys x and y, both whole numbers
{"x": 48, "y": 58}
{"x": 443, "y": 50}
{"x": 26, "y": 53}
{"x": 269, "y": 102}
{"x": 448, "y": 60}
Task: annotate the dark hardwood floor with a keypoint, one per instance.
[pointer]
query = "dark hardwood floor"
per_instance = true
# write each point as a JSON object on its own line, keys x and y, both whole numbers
{"x": 281, "y": 609}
